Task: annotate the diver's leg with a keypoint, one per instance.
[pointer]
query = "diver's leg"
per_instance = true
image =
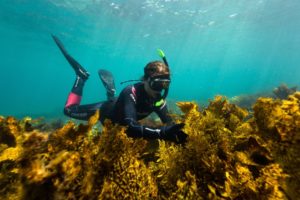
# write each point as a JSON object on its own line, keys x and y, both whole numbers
{"x": 82, "y": 112}
{"x": 73, "y": 108}
{"x": 74, "y": 97}
{"x": 79, "y": 70}
{"x": 108, "y": 82}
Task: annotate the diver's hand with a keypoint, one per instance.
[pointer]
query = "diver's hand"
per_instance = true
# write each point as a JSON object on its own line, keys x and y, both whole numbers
{"x": 181, "y": 137}
{"x": 174, "y": 133}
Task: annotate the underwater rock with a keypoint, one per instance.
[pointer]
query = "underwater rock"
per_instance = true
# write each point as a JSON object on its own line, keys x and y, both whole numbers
{"x": 283, "y": 91}
{"x": 247, "y": 101}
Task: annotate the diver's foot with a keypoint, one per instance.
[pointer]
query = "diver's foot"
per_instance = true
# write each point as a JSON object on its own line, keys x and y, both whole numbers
{"x": 111, "y": 95}
{"x": 108, "y": 82}
{"x": 81, "y": 72}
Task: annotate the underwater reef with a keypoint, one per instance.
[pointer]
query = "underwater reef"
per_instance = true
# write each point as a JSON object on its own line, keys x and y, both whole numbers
{"x": 247, "y": 101}
{"x": 229, "y": 154}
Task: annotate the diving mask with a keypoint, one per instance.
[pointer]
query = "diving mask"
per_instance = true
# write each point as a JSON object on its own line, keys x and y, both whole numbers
{"x": 159, "y": 83}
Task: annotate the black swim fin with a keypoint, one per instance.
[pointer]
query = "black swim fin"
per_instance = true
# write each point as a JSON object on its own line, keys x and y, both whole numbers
{"x": 79, "y": 70}
{"x": 108, "y": 82}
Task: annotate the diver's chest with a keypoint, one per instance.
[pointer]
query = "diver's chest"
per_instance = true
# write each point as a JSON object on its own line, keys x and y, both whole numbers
{"x": 145, "y": 107}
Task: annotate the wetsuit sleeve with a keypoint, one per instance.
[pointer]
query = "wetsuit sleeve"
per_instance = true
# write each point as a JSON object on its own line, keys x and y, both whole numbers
{"x": 171, "y": 133}
{"x": 135, "y": 129}
{"x": 164, "y": 114}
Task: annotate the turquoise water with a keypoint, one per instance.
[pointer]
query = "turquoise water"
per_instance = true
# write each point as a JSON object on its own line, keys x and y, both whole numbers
{"x": 228, "y": 47}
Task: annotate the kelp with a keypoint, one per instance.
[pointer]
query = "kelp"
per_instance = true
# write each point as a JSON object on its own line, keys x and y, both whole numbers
{"x": 229, "y": 154}
{"x": 69, "y": 163}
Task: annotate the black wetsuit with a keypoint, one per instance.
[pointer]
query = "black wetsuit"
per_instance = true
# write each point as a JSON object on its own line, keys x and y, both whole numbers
{"x": 133, "y": 104}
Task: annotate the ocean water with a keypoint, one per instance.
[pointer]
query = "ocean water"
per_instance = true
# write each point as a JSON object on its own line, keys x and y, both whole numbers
{"x": 227, "y": 47}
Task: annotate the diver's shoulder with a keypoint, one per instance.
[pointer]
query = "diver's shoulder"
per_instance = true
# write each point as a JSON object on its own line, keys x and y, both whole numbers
{"x": 139, "y": 85}
{"x": 127, "y": 90}
{"x": 133, "y": 87}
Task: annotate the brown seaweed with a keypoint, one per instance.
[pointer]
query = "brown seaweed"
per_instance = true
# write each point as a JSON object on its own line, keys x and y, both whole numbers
{"x": 228, "y": 155}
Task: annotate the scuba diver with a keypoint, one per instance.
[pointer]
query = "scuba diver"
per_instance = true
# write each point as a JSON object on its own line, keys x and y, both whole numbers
{"x": 134, "y": 103}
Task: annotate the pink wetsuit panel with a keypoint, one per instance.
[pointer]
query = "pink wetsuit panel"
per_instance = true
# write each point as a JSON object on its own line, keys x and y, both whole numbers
{"x": 73, "y": 99}
{"x": 133, "y": 90}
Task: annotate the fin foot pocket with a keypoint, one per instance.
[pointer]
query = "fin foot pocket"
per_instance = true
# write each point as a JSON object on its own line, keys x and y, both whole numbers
{"x": 108, "y": 81}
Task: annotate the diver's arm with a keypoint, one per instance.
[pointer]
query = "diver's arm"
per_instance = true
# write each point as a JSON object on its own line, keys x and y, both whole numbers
{"x": 164, "y": 114}
{"x": 137, "y": 130}
{"x": 171, "y": 133}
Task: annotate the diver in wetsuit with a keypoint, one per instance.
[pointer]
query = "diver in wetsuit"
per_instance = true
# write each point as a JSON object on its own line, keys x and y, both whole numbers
{"x": 135, "y": 102}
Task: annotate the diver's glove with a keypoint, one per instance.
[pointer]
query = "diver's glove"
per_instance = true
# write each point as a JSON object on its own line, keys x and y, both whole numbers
{"x": 171, "y": 133}
{"x": 174, "y": 133}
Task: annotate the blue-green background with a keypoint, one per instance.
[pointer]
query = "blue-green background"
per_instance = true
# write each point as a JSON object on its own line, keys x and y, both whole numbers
{"x": 228, "y": 47}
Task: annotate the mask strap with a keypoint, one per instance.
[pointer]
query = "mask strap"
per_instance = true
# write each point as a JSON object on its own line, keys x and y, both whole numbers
{"x": 129, "y": 81}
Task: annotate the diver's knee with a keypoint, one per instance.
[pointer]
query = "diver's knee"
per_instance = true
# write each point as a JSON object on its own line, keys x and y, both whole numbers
{"x": 67, "y": 111}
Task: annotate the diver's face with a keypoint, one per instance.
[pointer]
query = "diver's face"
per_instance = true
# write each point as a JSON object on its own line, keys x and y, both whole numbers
{"x": 155, "y": 85}
{"x": 159, "y": 83}
{"x": 150, "y": 92}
